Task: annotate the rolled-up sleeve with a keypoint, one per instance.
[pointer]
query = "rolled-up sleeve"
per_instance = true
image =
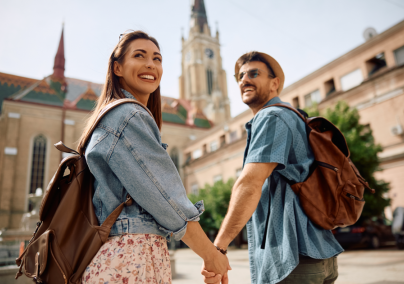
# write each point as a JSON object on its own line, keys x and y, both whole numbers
{"x": 148, "y": 174}
{"x": 271, "y": 141}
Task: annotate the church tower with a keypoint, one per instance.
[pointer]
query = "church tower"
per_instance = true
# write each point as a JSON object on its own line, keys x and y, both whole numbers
{"x": 203, "y": 80}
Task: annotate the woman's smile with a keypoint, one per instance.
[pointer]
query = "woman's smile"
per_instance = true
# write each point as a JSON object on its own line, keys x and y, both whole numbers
{"x": 147, "y": 77}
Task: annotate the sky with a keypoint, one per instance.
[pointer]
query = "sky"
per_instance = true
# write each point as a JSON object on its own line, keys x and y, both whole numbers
{"x": 301, "y": 35}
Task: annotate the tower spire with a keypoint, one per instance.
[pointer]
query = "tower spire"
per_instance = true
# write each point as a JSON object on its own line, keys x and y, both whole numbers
{"x": 59, "y": 65}
{"x": 198, "y": 15}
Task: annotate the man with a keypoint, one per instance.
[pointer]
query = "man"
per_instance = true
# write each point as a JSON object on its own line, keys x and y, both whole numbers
{"x": 284, "y": 245}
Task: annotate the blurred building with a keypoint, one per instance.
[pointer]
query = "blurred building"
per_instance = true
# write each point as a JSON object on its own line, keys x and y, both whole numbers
{"x": 205, "y": 143}
{"x": 203, "y": 80}
{"x": 35, "y": 114}
{"x": 369, "y": 77}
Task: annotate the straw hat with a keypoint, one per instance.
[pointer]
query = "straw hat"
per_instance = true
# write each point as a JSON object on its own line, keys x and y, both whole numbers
{"x": 278, "y": 72}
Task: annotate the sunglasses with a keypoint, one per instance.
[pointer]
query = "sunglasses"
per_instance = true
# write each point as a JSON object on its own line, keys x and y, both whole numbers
{"x": 252, "y": 74}
{"x": 126, "y": 32}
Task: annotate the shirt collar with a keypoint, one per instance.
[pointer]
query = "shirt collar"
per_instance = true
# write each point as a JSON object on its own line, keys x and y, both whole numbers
{"x": 127, "y": 94}
{"x": 275, "y": 100}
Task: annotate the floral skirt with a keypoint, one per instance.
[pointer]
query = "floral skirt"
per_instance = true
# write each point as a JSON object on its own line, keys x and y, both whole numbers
{"x": 132, "y": 258}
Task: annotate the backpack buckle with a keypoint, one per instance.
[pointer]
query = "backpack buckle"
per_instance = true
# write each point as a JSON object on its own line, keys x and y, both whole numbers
{"x": 129, "y": 200}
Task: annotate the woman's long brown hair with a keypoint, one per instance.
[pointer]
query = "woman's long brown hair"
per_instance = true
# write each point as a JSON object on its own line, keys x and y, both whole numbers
{"x": 112, "y": 89}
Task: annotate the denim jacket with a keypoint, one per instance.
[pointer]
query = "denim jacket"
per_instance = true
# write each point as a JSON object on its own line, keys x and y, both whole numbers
{"x": 126, "y": 156}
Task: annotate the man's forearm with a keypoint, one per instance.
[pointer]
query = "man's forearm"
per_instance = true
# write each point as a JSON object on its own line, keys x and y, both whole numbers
{"x": 244, "y": 200}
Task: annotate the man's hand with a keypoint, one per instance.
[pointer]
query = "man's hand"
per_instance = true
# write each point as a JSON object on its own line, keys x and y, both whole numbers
{"x": 217, "y": 263}
{"x": 211, "y": 277}
{"x": 197, "y": 240}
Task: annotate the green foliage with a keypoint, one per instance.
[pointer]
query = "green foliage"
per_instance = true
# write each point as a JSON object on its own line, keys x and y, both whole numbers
{"x": 216, "y": 199}
{"x": 363, "y": 153}
{"x": 313, "y": 110}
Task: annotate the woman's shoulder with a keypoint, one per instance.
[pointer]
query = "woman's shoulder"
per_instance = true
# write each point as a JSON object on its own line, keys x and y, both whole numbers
{"x": 125, "y": 112}
{"x": 130, "y": 107}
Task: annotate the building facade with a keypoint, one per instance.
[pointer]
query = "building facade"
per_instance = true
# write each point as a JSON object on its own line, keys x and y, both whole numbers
{"x": 205, "y": 143}
{"x": 35, "y": 114}
{"x": 369, "y": 78}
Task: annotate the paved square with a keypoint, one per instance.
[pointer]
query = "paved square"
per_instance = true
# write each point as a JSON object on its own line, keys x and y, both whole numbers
{"x": 384, "y": 266}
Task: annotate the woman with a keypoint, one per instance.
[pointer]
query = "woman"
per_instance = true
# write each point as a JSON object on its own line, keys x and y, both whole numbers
{"x": 126, "y": 157}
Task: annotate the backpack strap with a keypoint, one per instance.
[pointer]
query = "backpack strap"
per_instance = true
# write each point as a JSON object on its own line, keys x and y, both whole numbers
{"x": 289, "y": 107}
{"x": 63, "y": 148}
{"x": 102, "y": 113}
{"x": 301, "y": 113}
{"x": 111, "y": 219}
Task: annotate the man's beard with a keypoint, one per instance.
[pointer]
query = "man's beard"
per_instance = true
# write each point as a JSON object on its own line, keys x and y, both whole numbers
{"x": 257, "y": 100}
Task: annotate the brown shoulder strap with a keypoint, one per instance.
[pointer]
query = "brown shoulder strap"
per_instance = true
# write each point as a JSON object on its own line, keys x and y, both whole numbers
{"x": 111, "y": 219}
{"x": 103, "y": 112}
{"x": 289, "y": 107}
{"x": 63, "y": 148}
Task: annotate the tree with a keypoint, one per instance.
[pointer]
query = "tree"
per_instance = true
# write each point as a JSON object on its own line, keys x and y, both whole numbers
{"x": 216, "y": 199}
{"x": 364, "y": 152}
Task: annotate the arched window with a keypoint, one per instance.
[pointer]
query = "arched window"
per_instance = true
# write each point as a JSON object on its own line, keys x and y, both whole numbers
{"x": 209, "y": 79}
{"x": 38, "y": 163}
{"x": 175, "y": 157}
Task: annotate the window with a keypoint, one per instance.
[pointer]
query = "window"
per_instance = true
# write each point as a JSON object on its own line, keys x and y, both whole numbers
{"x": 312, "y": 98}
{"x": 204, "y": 149}
{"x": 187, "y": 158}
{"x": 175, "y": 157}
{"x": 233, "y": 136}
{"x": 399, "y": 55}
{"x": 209, "y": 79}
{"x": 329, "y": 87}
{"x": 217, "y": 178}
{"x": 222, "y": 140}
{"x": 238, "y": 172}
{"x": 295, "y": 102}
{"x": 194, "y": 188}
{"x": 375, "y": 64}
{"x": 351, "y": 80}
{"x": 38, "y": 163}
{"x": 213, "y": 146}
{"x": 197, "y": 153}
{"x": 243, "y": 131}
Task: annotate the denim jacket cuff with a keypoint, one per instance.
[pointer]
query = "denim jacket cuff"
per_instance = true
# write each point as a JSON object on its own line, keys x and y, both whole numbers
{"x": 179, "y": 234}
{"x": 201, "y": 208}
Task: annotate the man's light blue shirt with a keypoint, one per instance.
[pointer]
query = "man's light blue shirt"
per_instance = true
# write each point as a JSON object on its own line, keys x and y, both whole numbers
{"x": 278, "y": 135}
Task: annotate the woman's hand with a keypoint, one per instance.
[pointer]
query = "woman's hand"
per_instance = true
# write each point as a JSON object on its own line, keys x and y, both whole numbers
{"x": 214, "y": 261}
{"x": 209, "y": 276}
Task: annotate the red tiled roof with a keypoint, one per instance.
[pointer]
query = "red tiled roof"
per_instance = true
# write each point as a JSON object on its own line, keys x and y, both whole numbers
{"x": 80, "y": 94}
{"x": 24, "y": 82}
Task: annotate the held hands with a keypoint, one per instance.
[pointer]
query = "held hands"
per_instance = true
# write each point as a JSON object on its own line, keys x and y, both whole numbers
{"x": 214, "y": 269}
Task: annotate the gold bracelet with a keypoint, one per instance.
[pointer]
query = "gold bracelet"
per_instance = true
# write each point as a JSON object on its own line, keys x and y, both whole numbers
{"x": 221, "y": 250}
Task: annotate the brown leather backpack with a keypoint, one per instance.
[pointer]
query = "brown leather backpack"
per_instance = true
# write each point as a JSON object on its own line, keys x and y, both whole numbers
{"x": 332, "y": 195}
{"x": 68, "y": 235}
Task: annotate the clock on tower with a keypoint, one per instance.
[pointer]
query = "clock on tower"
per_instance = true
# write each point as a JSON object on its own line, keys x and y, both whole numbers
{"x": 209, "y": 53}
